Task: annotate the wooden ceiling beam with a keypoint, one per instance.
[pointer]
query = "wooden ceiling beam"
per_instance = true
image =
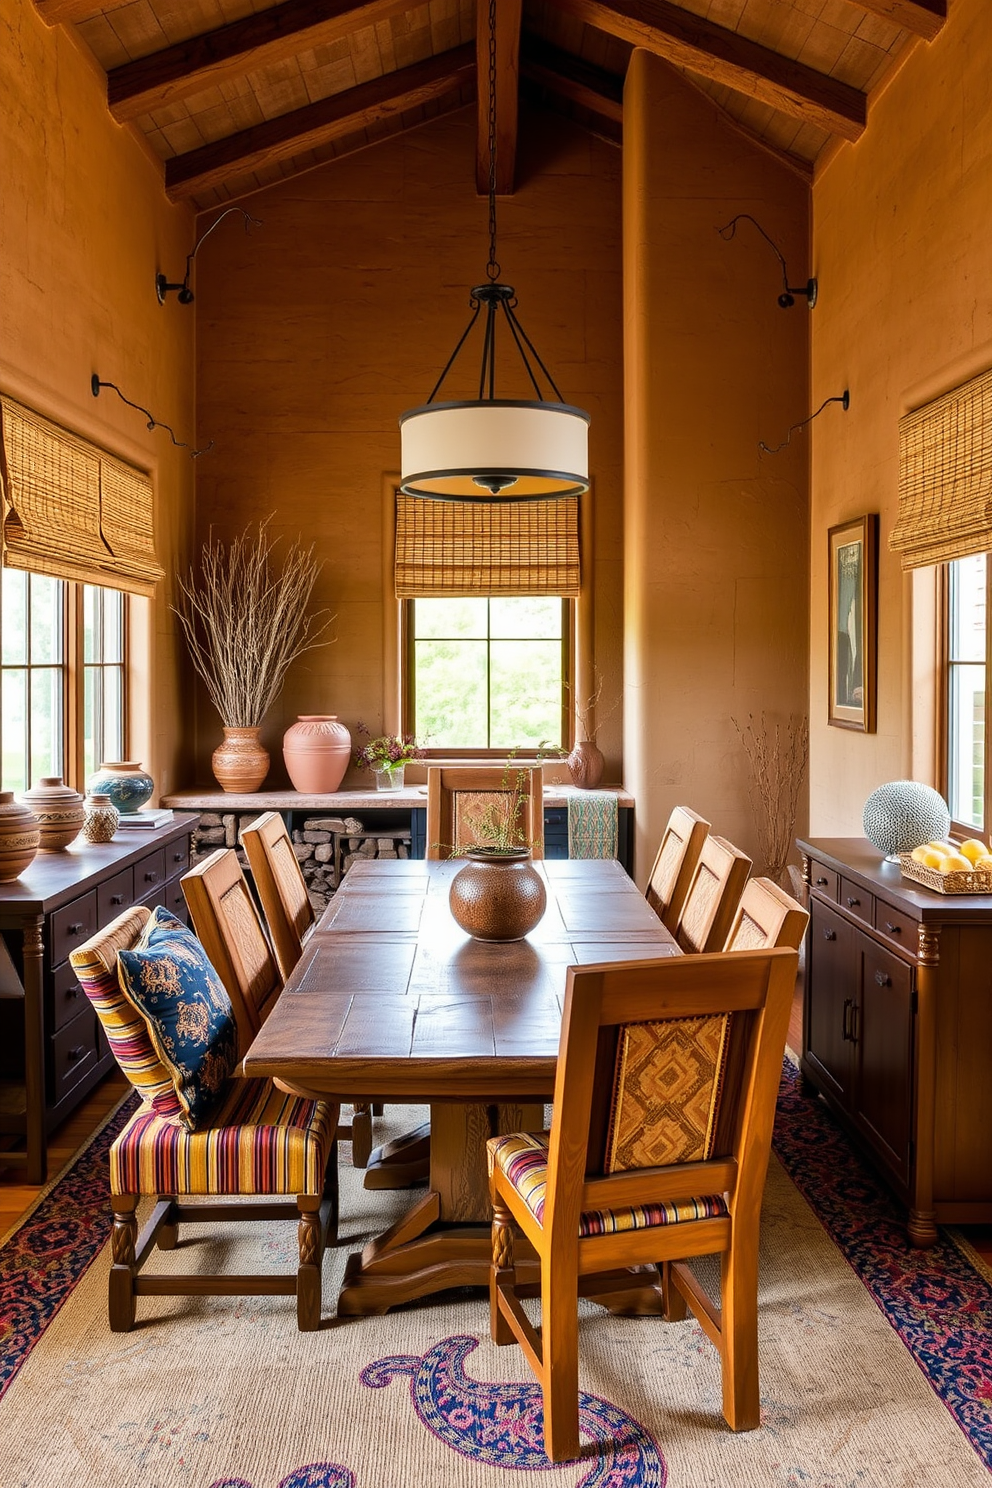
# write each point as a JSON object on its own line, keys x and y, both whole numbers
{"x": 68, "y": 12}
{"x": 725, "y": 57}
{"x": 242, "y": 46}
{"x": 597, "y": 90}
{"x": 507, "y": 80}
{"x": 923, "y": 17}
{"x": 318, "y": 123}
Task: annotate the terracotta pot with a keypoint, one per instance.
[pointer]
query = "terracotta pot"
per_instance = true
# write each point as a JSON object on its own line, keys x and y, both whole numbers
{"x": 101, "y": 818}
{"x": 125, "y": 782}
{"x": 59, "y": 810}
{"x": 585, "y": 764}
{"x": 241, "y": 763}
{"x": 317, "y": 751}
{"x": 19, "y": 836}
{"x": 497, "y": 896}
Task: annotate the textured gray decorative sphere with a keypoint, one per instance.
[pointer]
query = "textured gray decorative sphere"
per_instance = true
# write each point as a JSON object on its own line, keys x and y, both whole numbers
{"x": 903, "y": 815}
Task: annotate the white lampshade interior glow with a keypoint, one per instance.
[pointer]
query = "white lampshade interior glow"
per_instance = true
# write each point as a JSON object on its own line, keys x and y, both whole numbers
{"x": 545, "y": 446}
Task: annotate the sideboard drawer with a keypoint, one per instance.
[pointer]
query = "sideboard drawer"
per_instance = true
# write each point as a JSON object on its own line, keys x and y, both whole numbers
{"x": 115, "y": 895}
{"x": 857, "y": 900}
{"x": 177, "y": 857}
{"x": 150, "y": 875}
{"x": 72, "y": 925}
{"x": 896, "y": 926}
{"x": 175, "y": 900}
{"x": 825, "y": 880}
{"x": 68, "y": 997}
{"x": 74, "y": 1052}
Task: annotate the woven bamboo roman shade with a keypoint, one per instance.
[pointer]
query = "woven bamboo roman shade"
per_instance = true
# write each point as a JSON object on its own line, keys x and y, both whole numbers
{"x": 945, "y": 477}
{"x": 70, "y": 510}
{"x": 449, "y": 548}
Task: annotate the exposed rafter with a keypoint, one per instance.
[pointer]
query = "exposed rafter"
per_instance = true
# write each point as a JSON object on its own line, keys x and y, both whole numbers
{"x": 318, "y": 123}
{"x": 69, "y": 12}
{"x": 508, "y": 13}
{"x": 726, "y": 57}
{"x": 204, "y": 61}
{"x": 569, "y": 77}
{"x": 924, "y": 17}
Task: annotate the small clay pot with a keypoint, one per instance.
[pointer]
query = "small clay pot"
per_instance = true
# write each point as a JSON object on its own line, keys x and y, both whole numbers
{"x": 20, "y": 835}
{"x": 59, "y": 810}
{"x": 497, "y": 896}
{"x": 585, "y": 764}
{"x": 101, "y": 819}
{"x": 241, "y": 763}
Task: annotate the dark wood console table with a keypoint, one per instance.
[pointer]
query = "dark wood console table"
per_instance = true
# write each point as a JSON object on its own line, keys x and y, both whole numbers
{"x": 897, "y": 1027}
{"x": 52, "y": 1050}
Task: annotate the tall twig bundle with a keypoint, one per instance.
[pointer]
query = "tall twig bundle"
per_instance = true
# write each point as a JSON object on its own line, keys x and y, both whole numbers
{"x": 245, "y": 621}
{"x": 777, "y": 758}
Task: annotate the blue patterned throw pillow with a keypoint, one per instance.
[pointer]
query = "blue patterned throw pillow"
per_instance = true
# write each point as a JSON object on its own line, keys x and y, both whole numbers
{"x": 190, "y": 1019}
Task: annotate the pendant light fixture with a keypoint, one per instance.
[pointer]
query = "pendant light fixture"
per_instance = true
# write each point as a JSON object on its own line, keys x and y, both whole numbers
{"x": 492, "y": 449}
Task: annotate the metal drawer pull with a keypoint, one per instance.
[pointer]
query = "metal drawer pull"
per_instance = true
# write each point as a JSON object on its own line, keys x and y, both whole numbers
{"x": 117, "y": 898}
{"x": 821, "y": 881}
{"x": 76, "y": 1053}
{"x": 883, "y": 979}
{"x": 73, "y": 991}
{"x": 151, "y": 877}
{"x": 179, "y": 857}
{"x": 893, "y": 929}
{"x": 75, "y": 929}
{"x": 830, "y": 934}
{"x": 852, "y": 902}
{"x": 846, "y": 1026}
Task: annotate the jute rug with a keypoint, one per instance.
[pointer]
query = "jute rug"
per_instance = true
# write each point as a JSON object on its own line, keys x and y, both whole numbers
{"x": 225, "y": 1393}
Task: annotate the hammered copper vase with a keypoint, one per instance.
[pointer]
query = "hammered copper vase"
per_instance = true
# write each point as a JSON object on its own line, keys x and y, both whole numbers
{"x": 585, "y": 764}
{"x": 317, "y": 751}
{"x": 497, "y": 896}
{"x": 241, "y": 763}
{"x": 59, "y": 810}
{"x": 19, "y": 837}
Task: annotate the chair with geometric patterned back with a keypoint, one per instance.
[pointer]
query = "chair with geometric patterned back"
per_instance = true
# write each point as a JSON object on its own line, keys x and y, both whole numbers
{"x": 675, "y": 864}
{"x": 201, "y": 1132}
{"x": 713, "y": 896}
{"x": 664, "y": 1096}
{"x": 460, "y": 795}
{"x": 766, "y": 917}
{"x": 289, "y": 916}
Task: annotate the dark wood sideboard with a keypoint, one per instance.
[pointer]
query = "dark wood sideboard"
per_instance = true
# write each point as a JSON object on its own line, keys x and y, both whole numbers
{"x": 52, "y": 1049}
{"x": 897, "y": 1027}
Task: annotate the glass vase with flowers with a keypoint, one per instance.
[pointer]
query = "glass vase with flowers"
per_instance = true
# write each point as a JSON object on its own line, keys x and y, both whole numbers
{"x": 387, "y": 756}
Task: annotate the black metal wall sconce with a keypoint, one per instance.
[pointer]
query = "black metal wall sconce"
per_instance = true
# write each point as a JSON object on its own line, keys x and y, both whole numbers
{"x": 789, "y": 291}
{"x": 844, "y": 399}
{"x": 151, "y": 421}
{"x": 183, "y": 293}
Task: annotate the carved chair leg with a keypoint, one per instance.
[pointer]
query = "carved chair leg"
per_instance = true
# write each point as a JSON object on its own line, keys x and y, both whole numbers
{"x": 167, "y": 1237}
{"x": 674, "y": 1307}
{"x": 739, "y": 1337}
{"x": 502, "y": 1276}
{"x": 311, "y": 1241}
{"x": 122, "y": 1272}
{"x": 361, "y": 1135}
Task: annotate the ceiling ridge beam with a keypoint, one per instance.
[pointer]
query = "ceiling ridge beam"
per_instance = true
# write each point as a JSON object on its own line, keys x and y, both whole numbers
{"x": 726, "y": 57}
{"x": 571, "y": 77}
{"x": 508, "y": 15}
{"x": 317, "y": 123}
{"x": 201, "y": 62}
{"x": 922, "y": 17}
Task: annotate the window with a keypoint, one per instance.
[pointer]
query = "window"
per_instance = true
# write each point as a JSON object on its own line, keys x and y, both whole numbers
{"x": 62, "y": 670}
{"x": 488, "y": 673}
{"x": 966, "y": 692}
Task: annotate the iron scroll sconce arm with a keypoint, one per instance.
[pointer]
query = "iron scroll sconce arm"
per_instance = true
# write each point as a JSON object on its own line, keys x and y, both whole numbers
{"x": 182, "y": 291}
{"x": 151, "y": 422}
{"x": 789, "y": 291}
{"x": 844, "y": 399}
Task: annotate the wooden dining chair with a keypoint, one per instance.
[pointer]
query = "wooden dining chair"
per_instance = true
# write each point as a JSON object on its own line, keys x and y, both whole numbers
{"x": 675, "y": 864}
{"x": 243, "y": 1138}
{"x": 766, "y": 916}
{"x": 458, "y": 794}
{"x": 230, "y": 928}
{"x": 664, "y": 1098}
{"x": 713, "y": 896}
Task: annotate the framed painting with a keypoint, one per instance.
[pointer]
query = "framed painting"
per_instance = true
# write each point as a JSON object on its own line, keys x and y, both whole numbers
{"x": 853, "y": 567}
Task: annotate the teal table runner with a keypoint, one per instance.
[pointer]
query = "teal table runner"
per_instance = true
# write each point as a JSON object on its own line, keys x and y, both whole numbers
{"x": 592, "y": 824}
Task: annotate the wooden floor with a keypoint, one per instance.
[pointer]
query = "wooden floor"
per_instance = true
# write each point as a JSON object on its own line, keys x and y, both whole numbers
{"x": 16, "y": 1197}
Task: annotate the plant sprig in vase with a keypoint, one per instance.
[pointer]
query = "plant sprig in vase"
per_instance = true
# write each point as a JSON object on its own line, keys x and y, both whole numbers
{"x": 386, "y": 752}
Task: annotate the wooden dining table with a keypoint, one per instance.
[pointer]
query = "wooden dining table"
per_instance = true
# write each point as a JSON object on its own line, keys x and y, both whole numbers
{"x": 392, "y": 1001}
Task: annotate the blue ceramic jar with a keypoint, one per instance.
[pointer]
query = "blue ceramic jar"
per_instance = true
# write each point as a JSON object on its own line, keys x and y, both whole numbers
{"x": 125, "y": 782}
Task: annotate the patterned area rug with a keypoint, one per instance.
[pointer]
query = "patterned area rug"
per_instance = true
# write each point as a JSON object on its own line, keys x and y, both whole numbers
{"x": 225, "y": 1393}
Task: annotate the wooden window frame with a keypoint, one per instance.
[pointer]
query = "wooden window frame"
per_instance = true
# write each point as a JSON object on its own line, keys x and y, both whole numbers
{"x": 945, "y": 664}
{"x": 408, "y": 688}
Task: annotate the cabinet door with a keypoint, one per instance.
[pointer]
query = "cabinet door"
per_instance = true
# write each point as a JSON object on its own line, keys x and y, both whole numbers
{"x": 884, "y": 1037}
{"x": 831, "y": 994}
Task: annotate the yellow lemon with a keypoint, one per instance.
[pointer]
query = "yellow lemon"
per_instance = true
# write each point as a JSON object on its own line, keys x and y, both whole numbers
{"x": 973, "y": 849}
{"x": 938, "y": 847}
{"x": 984, "y": 862}
{"x": 954, "y": 863}
{"x": 931, "y": 858}
{"x": 920, "y": 854}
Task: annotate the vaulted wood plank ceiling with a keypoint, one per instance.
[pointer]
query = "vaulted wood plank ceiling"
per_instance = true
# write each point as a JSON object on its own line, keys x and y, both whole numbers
{"x": 235, "y": 94}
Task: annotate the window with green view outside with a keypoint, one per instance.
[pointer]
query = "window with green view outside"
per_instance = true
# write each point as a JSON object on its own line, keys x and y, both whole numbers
{"x": 488, "y": 673}
{"x": 967, "y": 700}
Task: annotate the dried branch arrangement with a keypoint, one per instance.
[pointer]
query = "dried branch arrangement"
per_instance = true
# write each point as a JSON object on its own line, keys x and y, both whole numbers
{"x": 586, "y": 712}
{"x": 245, "y": 621}
{"x": 777, "y": 756}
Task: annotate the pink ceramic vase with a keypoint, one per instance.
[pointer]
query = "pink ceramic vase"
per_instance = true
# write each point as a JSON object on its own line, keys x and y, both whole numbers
{"x": 317, "y": 751}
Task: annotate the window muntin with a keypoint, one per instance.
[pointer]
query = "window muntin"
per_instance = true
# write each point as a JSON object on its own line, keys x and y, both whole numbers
{"x": 967, "y": 702}
{"x": 62, "y": 678}
{"x": 488, "y": 673}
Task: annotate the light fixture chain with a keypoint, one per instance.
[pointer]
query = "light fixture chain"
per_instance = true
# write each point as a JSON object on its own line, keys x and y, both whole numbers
{"x": 492, "y": 268}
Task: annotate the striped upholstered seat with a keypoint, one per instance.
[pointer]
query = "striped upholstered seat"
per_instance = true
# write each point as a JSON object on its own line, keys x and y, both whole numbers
{"x": 523, "y": 1158}
{"x": 260, "y": 1142}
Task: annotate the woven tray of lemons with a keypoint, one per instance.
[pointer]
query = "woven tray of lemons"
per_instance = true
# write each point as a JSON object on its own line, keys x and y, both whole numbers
{"x": 950, "y": 867}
